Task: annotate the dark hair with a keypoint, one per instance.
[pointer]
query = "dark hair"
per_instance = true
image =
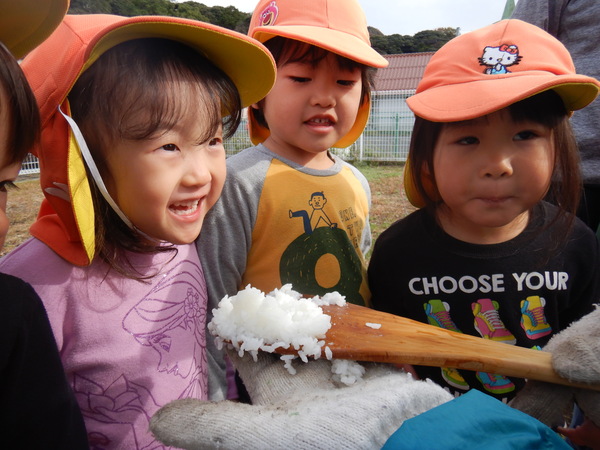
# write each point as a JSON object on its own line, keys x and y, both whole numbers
{"x": 546, "y": 108}
{"x": 23, "y": 114}
{"x": 286, "y": 51}
{"x": 132, "y": 92}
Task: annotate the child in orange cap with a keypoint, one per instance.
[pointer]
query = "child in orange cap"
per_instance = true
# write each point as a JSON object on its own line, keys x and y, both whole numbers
{"x": 37, "y": 406}
{"x": 291, "y": 211}
{"x": 134, "y": 112}
{"x": 486, "y": 255}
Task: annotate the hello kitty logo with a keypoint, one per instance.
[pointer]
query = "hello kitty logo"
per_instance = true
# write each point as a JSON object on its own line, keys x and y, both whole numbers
{"x": 269, "y": 15}
{"x": 498, "y": 59}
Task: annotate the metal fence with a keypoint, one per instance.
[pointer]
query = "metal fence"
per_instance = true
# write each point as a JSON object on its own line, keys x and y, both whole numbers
{"x": 386, "y": 137}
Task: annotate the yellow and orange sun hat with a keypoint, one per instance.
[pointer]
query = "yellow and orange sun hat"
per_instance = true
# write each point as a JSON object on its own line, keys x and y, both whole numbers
{"x": 488, "y": 69}
{"x": 66, "y": 219}
{"x": 24, "y": 24}
{"x": 339, "y": 26}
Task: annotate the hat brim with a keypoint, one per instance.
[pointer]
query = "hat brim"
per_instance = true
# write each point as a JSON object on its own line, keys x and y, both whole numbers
{"x": 338, "y": 42}
{"x": 457, "y": 102}
{"x": 234, "y": 54}
{"x": 24, "y": 24}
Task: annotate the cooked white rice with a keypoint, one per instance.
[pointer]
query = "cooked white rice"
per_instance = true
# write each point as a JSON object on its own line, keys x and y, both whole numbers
{"x": 251, "y": 321}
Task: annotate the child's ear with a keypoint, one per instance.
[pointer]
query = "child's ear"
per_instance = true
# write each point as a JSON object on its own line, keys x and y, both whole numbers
{"x": 255, "y": 106}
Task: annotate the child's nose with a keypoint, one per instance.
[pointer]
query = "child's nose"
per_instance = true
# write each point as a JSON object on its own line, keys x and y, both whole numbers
{"x": 197, "y": 169}
{"x": 498, "y": 164}
{"x": 323, "y": 96}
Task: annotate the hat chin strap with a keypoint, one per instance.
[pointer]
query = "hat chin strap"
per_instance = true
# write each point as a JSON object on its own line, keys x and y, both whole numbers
{"x": 87, "y": 156}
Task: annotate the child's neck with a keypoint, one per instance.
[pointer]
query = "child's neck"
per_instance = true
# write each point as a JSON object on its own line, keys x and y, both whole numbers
{"x": 479, "y": 234}
{"x": 320, "y": 160}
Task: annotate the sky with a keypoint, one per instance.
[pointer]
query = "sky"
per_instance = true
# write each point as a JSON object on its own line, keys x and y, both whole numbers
{"x": 407, "y": 17}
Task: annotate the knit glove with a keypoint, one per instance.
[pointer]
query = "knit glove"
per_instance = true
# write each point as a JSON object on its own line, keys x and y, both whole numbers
{"x": 302, "y": 411}
{"x": 575, "y": 356}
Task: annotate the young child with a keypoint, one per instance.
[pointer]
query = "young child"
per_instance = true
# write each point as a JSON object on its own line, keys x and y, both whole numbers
{"x": 140, "y": 100}
{"x": 485, "y": 255}
{"x": 291, "y": 211}
{"x": 37, "y": 406}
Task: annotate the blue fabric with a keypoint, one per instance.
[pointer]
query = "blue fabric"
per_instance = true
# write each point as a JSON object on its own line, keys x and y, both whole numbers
{"x": 474, "y": 421}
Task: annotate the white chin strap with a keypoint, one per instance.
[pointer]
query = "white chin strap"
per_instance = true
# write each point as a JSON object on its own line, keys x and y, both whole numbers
{"x": 87, "y": 156}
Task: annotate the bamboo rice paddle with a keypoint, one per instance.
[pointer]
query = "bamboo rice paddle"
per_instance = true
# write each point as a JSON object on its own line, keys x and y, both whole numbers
{"x": 404, "y": 341}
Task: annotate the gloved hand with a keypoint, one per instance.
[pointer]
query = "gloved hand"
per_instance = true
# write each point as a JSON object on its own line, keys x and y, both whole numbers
{"x": 575, "y": 356}
{"x": 301, "y": 411}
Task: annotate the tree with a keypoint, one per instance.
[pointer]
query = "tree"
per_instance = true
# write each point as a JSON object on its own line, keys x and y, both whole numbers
{"x": 432, "y": 40}
{"x": 230, "y": 17}
{"x": 90, "y": 7}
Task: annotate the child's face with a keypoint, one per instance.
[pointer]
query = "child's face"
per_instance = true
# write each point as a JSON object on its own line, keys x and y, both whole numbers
{"x": 166, "y": 184}
{"x": 8, "y": 173}
{"x": 490, "y": 171}
{"x": 311, "y": 108}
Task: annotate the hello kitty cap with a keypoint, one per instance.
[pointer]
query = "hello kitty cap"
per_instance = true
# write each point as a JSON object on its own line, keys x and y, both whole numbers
{"x": 486, "y": 70}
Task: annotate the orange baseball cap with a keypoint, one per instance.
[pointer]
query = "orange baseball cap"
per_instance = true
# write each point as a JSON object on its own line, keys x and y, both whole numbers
{"x": 486, "y": 70}
{"x": 24, "y": 24}
{"x": 339, "y": 26}
{"x": 66, "y": 218}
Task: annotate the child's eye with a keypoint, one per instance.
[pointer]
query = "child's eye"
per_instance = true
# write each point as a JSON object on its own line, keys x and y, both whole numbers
{"x": 300, "y": 79}
{"x": 170, "y": 147}
{"x": 215, "y": 142}
{"x": 348, "y": 83}
{"x": 468, "y": 140}
{"x": 6, "y": 185}
{"x": 525, "y": 135}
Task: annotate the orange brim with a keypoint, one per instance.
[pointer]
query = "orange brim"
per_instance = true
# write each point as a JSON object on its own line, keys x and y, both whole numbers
{"x": 457, "y": 102}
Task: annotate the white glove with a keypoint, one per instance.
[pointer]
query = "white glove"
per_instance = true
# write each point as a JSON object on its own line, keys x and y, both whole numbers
{"x": 575, "y": 356}
{"x": 576, "y": 349}
{"x": 303, "y": 411}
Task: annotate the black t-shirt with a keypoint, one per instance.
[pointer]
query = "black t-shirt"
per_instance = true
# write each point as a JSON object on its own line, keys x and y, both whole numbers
{"x": 37, "y": 406}
{"x": 519, "y": 292}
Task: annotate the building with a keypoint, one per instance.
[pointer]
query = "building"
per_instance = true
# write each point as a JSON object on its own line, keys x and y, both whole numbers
{"x": 387, "y": 135}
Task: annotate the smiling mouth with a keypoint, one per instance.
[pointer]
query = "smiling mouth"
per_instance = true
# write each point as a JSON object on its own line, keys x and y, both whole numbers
{"x": 185, "y": 208}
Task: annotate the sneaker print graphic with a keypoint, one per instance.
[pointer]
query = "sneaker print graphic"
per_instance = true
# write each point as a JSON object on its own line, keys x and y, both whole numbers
{"x": 533, "y": 319}
{"x": 438, "y": 314}
{"x": 488, "y": 323}
{"x": 486, "y": 319}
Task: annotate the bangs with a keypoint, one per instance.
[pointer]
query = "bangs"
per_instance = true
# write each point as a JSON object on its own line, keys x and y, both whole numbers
{"x": 546, "y": 108}
{"x": 143, "y": 88}
{"x": 163, "y": 108}
{"x": 287, "y": 51}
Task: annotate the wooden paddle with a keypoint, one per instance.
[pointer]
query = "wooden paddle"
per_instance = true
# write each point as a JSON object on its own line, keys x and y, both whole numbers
{"x": 404, "y": 341}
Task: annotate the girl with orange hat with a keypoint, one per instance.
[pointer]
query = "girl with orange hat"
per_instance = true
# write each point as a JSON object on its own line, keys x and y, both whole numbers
{"x": 134, "y": 112}
{"x": 486, "y": 255}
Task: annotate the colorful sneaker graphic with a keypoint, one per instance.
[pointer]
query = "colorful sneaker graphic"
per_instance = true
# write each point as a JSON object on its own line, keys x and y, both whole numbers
{"x": 454, "y": 378}
{"x": 438, "y": 314}
{"x": 533, "y": 320}
{"x": 488, "y": 323}
{"x": 495, "y": 384}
